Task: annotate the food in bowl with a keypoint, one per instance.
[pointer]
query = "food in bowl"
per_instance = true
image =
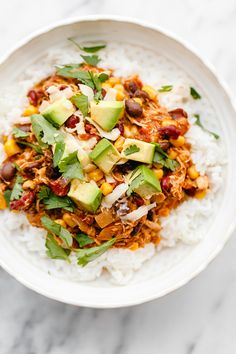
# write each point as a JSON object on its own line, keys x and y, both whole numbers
{"x": 100, "y": 161}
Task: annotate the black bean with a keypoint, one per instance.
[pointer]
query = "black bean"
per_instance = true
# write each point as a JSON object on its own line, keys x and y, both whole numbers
{"x": 7, "y": 171}
{"x": 133, "y": 108}
{"x": 132, "y": 86}
{"x": 141, "y": 94}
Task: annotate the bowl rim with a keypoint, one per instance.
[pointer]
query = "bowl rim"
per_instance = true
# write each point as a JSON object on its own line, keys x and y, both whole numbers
{"x": 146, "y": 25}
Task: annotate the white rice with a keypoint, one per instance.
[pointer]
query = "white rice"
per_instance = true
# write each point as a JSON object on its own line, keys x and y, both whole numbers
{"x": 187, "y": 223}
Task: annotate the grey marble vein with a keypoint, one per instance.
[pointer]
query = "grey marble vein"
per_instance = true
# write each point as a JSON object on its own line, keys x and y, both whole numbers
{"x": 197, "y": 319}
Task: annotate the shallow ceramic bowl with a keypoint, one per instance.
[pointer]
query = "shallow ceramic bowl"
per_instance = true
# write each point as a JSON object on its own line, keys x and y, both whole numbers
{"x": 183, "y": 268}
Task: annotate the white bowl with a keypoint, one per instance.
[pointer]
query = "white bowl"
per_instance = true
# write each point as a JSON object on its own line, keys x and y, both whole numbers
{"x": 97, "y": 294}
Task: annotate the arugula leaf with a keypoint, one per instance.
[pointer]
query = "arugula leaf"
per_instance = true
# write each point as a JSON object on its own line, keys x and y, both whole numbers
{"x": 44, "y": 193}
{"x": 70, "y": 167}
{"x": 45, "y": 133}
{"x": 17, "y": 189}
{"x": 91, "y": 59}
{"x": 199, "y": 123}
{"x": 18, "y": 133}
{"x": 52, "y": 201}
{"x": 33, "y": 146}
{"x": 90, "y": 254}
{"x": 83, "y": 240}
{"x": 195, "y": 95}
{"x": 58, "y": 230}
{"x": 81, "y": 102}
{"x": 7, "y": 196}
{"x": 55, "y": 251}
{"x": 91, "y": 47}
{"x": 131, "y": 150}
{"x": 166, "y": 88}
{"x": 58, "y": 152}
{"x": 161, "y": 157}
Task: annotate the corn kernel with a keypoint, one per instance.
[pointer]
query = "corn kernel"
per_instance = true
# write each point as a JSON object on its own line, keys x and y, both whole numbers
{"x": 180, "y": 141}
{"x": 119, "y": 143}
{"x": 113, "y": 81}
{"x": 3, "y": 204}
{"x": 120, "y": 95}
{"x": 138, "y": 100}
{"x": 96, "y": 175}
{"x": 134, "y": 246}
{"x": 106, "y": 86}
{"x": 28, "y": 184}
{"x": 89, "y": 168}
{"x": 173, "y": 155}
{"x": 68, "y": 220}
{"x": 168, "y": 122}
{"x": 134, "y": 129}
{"x": 127, "y": 132}
{"x": 30, "y": 110}
{"x": 158, "y": 173}
{"x": 106, "y": 188}
{"x": 60, "y": 222}
{"x": 119, "y": 87}
{"x": 11, "y": 148}
{"x": 192, "y": 172}
{"x": 152, "y": 93}
{"x": 200, "y": 194}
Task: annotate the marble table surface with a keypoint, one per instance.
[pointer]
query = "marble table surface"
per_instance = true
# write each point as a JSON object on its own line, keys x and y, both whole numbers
{"x": 197, "y": 319}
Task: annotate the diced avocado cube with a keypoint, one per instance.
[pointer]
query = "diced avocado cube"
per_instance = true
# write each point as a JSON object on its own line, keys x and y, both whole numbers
{"x": 105, "y": 155}
{"x": 86, "y": 195}
{"x": 144, "y": 182}
{"x": 59, "y": 111}
{"x": 106, "y": 113}
{"x": 138, "y": 150}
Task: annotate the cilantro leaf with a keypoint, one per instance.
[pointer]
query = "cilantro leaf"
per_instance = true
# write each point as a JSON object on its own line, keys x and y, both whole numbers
{"x": 45, "y": 133}
{"x": 91, "y": 47}
{"x": 86, "y": 77}
{"x": 134, "y": 184}
{"x": 83, "y": 240}
{"x": 161, "y": 157}
{"x": 33, "y": 146}
{"x": 166, "y": 88}
{"x": 70, "y": 167}
{"x": 131, "y": 150}
{"x": 74, "y": 71}
{"x": 103, "y": 77}
{"x": 17, "y": 189}
{"x": 52, "y": 201}
{"x": 55, "y": 202}
{"x": 58, "y": 152}
{"x": 195, "y": 95}
{"x": 55, "y": 251}
{"x": 18, "y": 133}
{"x": 89, "y": 254}
{"x": 17, "y": 166}
{"x": 44, "y": 193}
{"x": 58, "y": 230}
{"x": 199, "y": 123}
{"x": 81, "y": 102}
{"x": 91, "y": 59}
{"x": 7, "y": 196}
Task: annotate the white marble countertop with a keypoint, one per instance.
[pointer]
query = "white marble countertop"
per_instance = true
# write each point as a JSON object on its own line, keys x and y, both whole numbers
{"x": 197, "y": 319}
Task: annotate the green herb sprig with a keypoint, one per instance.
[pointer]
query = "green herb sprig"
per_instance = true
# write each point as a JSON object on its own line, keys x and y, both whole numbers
{"x": 131, "y": 150}
{"x": 199, "y": 123}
